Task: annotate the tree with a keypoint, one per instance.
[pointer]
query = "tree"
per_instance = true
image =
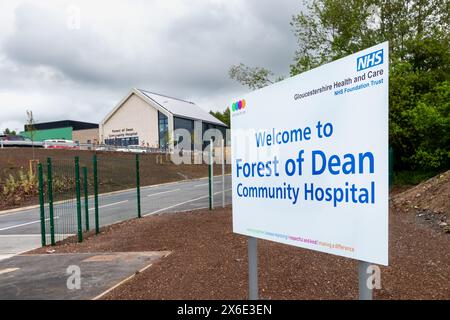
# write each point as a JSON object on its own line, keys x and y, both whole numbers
{"x": 254, "y": 78}
{"x": 31, "y": 128}
{"x": 418, "y": 34}
{"x": 222, "y": 116}
{"x": 7, "y": 131}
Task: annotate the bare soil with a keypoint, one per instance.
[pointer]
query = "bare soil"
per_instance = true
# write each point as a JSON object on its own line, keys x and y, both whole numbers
{"x": 428, "y": 201}
{"x": 209, "y": 261}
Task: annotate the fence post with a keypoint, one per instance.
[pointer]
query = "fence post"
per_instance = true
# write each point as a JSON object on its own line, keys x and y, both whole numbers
{"x": 94, "y": 165}
{"x": 78, "y": 191}
{"x": 211, "y": 176}
{"x": 50, "y": 200}
{"x": 86, "y": 197}
{"x": 41, "y": 204}
{"x": 223, "y": 173}
{"x": 138, "y": 187}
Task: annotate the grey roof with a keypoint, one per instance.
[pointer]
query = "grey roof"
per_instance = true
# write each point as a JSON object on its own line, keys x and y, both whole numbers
{"x": 181, "y": 108}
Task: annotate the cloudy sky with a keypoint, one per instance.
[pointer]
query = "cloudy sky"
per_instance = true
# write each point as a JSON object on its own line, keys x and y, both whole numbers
{"x": 77, "y": 59}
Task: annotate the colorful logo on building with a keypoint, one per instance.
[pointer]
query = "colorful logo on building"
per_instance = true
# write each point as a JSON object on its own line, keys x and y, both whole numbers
{"x": 239, "y": 105}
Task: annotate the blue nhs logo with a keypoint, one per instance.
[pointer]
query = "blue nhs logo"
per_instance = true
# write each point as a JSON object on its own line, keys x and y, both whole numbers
{"x": 369, "y": 60}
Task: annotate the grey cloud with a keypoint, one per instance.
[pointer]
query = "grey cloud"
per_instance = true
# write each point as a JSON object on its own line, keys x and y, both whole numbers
{"x": 81, "y": 74}
{"x": 42, "y": 38}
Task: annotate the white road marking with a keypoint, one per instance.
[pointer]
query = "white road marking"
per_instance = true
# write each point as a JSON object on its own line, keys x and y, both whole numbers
{"x": 205, "y": 184}
{"x": 6, "y": 256}
{"x": 8, "y": 270}
{"x": 120, "y": 202}
{"x": 24, "y": 224}
{"x": 201, "y": 185}
{"x": 19, "y": 210}
{"x": 108, "y": 205}
{"x": 181, "y": 203}
{"x": 12, "y": 254}
{"x": 19, "y": 235}
{"x": 158, "y": 193}
{"x": 6, "y": 213}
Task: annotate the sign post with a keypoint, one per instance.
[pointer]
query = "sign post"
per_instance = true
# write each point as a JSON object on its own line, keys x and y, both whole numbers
{"x": 310, "y": 162}
{"x": 365, "y": 293}
{"x": 252, "y": 268}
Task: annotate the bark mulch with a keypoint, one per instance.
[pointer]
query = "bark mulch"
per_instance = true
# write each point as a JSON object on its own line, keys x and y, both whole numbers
{"x": 208, "y": 261}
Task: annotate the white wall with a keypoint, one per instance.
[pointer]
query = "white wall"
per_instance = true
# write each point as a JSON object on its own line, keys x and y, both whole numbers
{"x": 135, "y": 114}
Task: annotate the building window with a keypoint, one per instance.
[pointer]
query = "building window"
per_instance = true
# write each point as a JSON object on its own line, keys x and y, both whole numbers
{"x": 163, "y": 130}
{"x": 122, "y": 142}
{"x": 207, "y": 126}
{"x": 187, "y": 124}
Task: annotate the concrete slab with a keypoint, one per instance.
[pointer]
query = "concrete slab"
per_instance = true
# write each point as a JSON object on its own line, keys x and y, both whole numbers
{"x": 53, "y": 276}
{"x": 18, "y": 243}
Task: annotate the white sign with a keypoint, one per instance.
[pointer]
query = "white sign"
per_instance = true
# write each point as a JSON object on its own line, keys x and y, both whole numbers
{"x": 310, "y": 159}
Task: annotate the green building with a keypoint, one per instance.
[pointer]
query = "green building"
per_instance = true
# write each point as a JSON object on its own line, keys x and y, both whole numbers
{"x": 77, "y": 131}
{"x": 47, "y": 134}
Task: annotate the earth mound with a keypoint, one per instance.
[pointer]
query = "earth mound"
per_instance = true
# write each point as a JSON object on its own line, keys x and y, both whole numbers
{"x": 429, "y": 201}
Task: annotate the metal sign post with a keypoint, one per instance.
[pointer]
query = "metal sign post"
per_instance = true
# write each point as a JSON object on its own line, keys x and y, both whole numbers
{"x": 365, "y": 293}
{"x": 337, "y": 179}
{"x": 252, "y": 268}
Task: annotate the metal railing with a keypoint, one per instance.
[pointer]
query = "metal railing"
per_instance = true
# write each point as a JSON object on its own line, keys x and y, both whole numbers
{"x": 101, "y": 189}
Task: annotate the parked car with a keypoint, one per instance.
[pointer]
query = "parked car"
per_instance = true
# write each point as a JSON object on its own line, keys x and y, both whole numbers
{"x": 17, "y": 141}
{"x": 59, "y": 144}
{"x": 133, "y": 149}
{"x": 10, "y": 137}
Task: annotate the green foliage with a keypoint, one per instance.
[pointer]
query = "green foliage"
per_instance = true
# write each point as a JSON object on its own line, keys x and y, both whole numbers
{"x": 419, "y": 43}
{"x": 252, "y": 77}
{"x": 413, "y": 177}
{"x": 331, "y": 29}
{"x": 15, "y": 189}
{"x": 7, "y": 131}
{"x": 428, "y": 123}
{"x": 222, "y": 116}
{"x": 31, "y": 130}
{"x": 62, "y": 183}
{"x": 10, "y": 185}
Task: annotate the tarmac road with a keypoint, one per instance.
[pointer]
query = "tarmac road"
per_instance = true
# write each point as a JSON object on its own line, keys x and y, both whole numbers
{"x": 20, "y": 230}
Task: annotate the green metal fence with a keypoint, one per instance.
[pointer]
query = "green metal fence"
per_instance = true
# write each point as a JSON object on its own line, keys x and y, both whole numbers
{"x": 118, "y": 173}
{"x": 82, "y": 193}
{"x": 60, "y": 196}
{"x": 69, "y": 194}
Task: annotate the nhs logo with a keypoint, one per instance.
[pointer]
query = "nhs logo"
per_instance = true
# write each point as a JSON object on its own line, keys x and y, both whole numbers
{"x": 369, "y": 60}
